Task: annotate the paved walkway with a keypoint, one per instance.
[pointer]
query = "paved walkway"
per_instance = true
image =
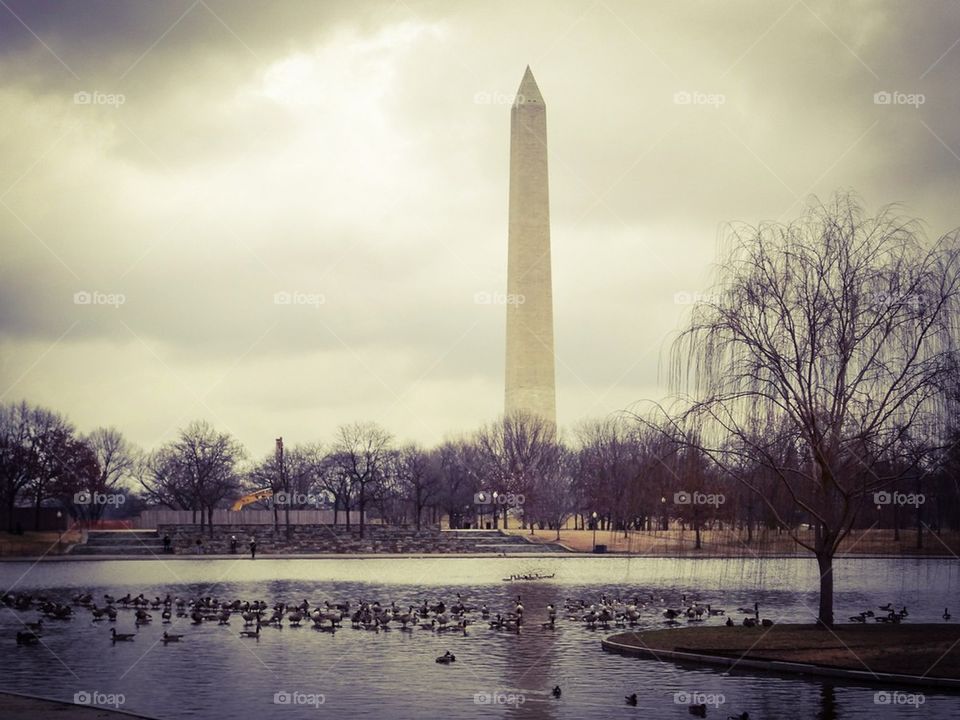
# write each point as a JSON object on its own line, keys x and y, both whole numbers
{"x": 23, "y": 707}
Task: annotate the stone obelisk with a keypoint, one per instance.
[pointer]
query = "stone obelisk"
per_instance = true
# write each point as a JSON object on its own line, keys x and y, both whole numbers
{"x": 530, "y": 385}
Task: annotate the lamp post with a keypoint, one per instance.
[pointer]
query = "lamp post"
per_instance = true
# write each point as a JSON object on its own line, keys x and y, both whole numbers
{"x": 594, "y": 516}
{"x": 59, "y": 530}
{"x": 493, "y": 509}
{"x": 481, "y": 498}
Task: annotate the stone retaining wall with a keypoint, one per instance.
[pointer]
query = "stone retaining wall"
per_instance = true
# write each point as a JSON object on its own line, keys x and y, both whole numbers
{"x": 314, "y": 539}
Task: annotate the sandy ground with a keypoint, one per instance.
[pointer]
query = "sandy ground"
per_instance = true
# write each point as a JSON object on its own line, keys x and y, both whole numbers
{"x": 931, "y": 650}
{"x": 36, "y": 544}
{"x": 725, "y": 543}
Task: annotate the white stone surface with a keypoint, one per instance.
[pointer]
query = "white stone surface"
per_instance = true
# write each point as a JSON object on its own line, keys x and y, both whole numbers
{"x": 530, "y": 381}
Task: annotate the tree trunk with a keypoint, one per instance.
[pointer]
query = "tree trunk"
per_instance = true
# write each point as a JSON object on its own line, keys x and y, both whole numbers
{"x": 363, "y": 505}
{"x": 825, "y": 564}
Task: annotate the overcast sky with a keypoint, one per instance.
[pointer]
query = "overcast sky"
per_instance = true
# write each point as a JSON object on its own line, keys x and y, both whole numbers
{"x": 194, "y": 159}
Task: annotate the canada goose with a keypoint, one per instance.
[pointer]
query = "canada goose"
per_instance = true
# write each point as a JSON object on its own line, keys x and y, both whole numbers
{"x": 749, "y": 622}
{"x": 632, "y": 699}
{"x": 295, "y": 618}
{"x": 767, "y": 622}
{"x": 861, "y": 618}
{"x": 27, "y": 638}
{"x": 698, "y": 710}
{"x": 120, "y": 637}
{"x": 729, "y": 622}
{"x": 166, "y": 615}
{"x": 556, "y": 692}
{"x": 886, "y": 608}
{"x": 447, "y": 658}
{"x": 168, "y": 638}
{"x": 406, "y": 617}
{"x": 946, "y": 614}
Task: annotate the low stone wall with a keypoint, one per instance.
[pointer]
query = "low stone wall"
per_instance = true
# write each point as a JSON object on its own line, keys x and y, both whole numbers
{"x": 314, "y": 539}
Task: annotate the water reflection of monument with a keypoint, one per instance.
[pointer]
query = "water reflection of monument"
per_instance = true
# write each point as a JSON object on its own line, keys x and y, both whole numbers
{"x": 532, "y": 661}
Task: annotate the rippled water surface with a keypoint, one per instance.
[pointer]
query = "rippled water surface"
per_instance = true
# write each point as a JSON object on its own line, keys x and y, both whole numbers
{"x": 214, "y": 673}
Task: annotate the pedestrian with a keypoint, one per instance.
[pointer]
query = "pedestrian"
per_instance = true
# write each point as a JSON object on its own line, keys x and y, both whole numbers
{"x": 253, "y": 548}
{"x": 166, "y": 543}
{"x": 233, "y": 544}
{"x": 199, "y": 546}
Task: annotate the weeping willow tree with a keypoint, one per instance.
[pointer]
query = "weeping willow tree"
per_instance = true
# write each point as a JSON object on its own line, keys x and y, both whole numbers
{"x": 821, "y": 358}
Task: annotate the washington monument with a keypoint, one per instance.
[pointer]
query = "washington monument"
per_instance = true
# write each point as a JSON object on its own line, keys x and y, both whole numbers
{"x": 530, "y": 386}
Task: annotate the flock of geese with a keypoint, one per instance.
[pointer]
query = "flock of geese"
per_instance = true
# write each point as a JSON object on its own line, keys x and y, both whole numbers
{"x": 892, "y": 615}
{"x": 436, "y": 617}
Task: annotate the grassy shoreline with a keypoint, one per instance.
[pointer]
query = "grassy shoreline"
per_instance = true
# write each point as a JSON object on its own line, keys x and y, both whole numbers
{"x": 927, "y": 653}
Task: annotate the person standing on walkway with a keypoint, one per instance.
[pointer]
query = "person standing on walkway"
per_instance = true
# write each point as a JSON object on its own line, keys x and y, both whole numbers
{"x": 233, "y": 544}
{"x": 253, "y": 548}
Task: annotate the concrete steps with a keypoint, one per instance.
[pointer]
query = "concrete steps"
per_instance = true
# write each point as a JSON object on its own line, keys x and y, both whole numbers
{"x": 497, "y": 541}
{"x": 121, "y": 542}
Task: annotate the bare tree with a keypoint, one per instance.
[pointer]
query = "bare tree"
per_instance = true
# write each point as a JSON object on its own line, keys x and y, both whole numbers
{"x": 16, "y": 455}
{"x": 833, "y": 333}
{"x": 361, "y": 452}
{"x": 516, "y": 450}
{"x": 459, "y": 478}
{"x": 198, "y": 470}
{"x": 116, "y": 459}
{"x": 418, "y": 473}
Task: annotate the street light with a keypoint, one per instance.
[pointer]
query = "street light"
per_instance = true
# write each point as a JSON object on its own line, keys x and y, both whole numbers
{"x": 493, "y": 509}
{"x": 594, "y": 516}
